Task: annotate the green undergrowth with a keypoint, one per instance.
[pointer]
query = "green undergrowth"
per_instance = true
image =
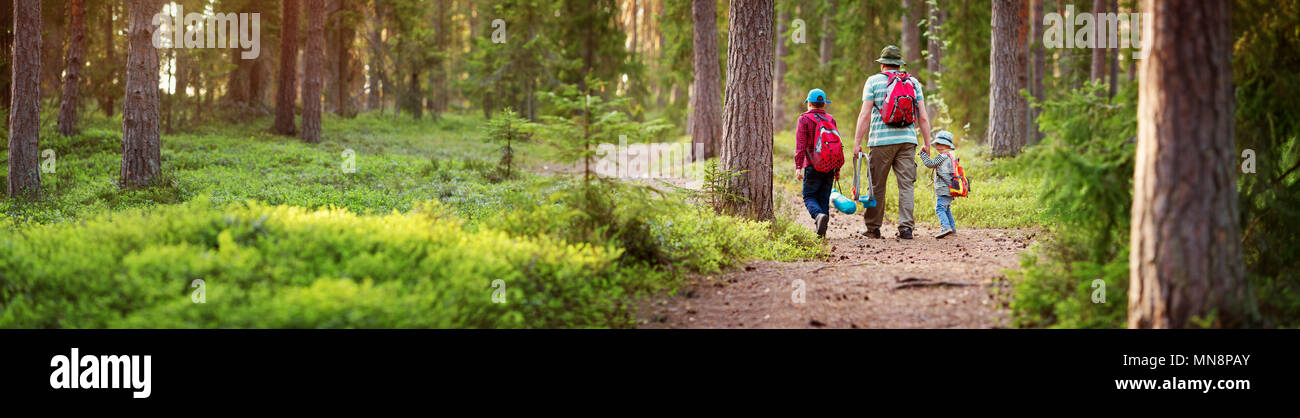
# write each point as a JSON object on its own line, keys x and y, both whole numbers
{"x": 282, "y": 235}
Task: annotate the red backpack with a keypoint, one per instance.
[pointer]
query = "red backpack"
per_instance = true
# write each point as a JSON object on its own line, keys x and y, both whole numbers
{"x": 828, "y": 152}
{"x": 900, "y": 107}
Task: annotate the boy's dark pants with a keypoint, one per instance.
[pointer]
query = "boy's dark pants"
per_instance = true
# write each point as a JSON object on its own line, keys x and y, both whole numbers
{"x": 817, "y": 191}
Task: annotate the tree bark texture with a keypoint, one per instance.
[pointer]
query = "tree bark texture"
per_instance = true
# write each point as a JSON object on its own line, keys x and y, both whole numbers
{"x": 1009, "y": 55}
{"x": 1185, "y": 262}
{"x": 706, "y": 100}
{"x": 747, "y": 110}
{"x": 141, "y": 147}
{"x": 25, "y": 109}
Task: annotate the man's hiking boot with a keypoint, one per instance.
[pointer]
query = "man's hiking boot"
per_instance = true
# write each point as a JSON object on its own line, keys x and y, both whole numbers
{"x": 871, "y": 233}
{"x": 822, "y": 220}
{"x": 905, "y": 232}
{"x": 945, "y": 232}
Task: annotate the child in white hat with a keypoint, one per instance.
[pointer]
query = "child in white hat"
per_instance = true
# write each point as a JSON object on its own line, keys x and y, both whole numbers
{"x": 942, "y": 164}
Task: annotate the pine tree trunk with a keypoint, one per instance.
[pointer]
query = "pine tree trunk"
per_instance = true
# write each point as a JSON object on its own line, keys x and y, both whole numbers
{"x": 911, "y": 34}
{"x": 473, "y": 17}
{"x": 375, "y": 41}
{"x": 259, "y": 84}
{"x": 6, "y": 48}
{"x": 25, "y": 109}
{"x": 72, "y": 72}
{"x": 237, "y": 91}
{"x": 287, "y": 88}
{"x": 52, "y": 41}
{"x": 636, "y": 26}
{"x": 438, "y": 69}
{"x": 179, "y": 97}
{"x": 313, "y": 63}
{"x": 141, "y": 147}
{"x": 706, "y": 122}
{"x": 1039, "y": 69}
{"x": 1009, "y": 55}
{"x": 1112, "y": 56}
{"x": 826, "y": 49}
{"x": 662, "y": 14}
{"x": 165, "y": 102}
{"x": 1065, "y": 62}
{"x": 1098, "y": 70}
{"x": 340, "y": 62}
{"x": 333, "y": 60}
{"x": 1132, "y": 70}
{"x": 1186, "y": 259}
{"x": 746, "y": 133}
{"x": 415, "y": 94}
{"x": 348, "y": 72}
{"x": 778, "y": 83}
{"x": 110, "y": 57}
{"x": 935, "y": 61}
{"x": 1132, "y": 64}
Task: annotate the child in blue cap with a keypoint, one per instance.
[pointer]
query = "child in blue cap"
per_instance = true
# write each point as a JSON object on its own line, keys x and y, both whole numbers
{"x": 816, "y": 184}
{"x": 943, "y": 166}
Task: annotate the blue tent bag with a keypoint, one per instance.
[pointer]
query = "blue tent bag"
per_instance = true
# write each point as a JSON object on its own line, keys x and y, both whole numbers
{"x": 843, "y": 204}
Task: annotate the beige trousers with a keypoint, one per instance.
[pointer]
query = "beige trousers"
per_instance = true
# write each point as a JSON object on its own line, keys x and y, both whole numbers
{"x": 902, "y": 160}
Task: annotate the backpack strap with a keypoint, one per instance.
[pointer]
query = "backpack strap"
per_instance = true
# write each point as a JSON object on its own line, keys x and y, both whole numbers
{"x": 873, "y": 98}
{"x": 809, "y": 150}
{"x": 818, "y": 117}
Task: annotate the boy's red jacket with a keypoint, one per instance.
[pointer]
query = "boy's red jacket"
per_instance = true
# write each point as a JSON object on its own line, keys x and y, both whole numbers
{"x": 803, "y": 138}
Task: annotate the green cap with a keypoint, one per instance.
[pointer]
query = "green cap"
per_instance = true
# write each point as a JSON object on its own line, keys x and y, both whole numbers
{"x": 891, "y": 55}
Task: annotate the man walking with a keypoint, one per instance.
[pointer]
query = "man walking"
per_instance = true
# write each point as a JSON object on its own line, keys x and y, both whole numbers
{"x": 893, "y": 142}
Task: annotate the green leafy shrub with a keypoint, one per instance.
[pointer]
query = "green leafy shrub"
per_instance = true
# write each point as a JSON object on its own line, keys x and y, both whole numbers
{"x": 284, "y": 266}
{"x": 1268, "y": 125}
{"x": 648, "y": 227}
{"x": 1086, "y": 191}
{"x": 326, "y": 248}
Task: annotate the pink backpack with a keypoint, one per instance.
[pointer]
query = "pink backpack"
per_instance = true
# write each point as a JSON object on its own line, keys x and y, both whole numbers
{"x": 828, "y": 152}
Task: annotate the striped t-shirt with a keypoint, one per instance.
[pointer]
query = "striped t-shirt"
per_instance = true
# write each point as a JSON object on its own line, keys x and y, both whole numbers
{"x": 882, "y": 134}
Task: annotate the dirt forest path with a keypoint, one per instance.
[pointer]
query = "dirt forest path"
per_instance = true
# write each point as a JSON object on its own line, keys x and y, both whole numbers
{"x": 866, "y": 283}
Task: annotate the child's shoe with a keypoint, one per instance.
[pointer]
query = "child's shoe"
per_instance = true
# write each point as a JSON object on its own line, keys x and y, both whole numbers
{"x": 945, "y": 232}
{"x": 822, "y": 220}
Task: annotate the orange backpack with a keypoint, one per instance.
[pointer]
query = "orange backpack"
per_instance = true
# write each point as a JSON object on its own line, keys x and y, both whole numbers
{"x": 960, "y": 185}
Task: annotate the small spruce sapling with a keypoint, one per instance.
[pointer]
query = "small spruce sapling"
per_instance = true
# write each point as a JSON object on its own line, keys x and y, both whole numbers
{"x": 507, "y": 129}
{"x": 581, "y": 121}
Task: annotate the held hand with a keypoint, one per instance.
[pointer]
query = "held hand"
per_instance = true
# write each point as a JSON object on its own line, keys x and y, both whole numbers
{"x": 798, "y": 174}
{"x": 857, "y": 149}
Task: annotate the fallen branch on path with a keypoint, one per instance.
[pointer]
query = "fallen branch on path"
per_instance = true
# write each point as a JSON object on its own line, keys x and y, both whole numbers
{"x": 918, "y": 282}
{"x": 865, "y": 263}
